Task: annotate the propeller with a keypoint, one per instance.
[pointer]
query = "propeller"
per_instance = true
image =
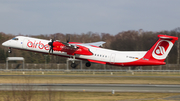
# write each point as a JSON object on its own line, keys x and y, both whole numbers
{"x": 51, "y": 44}
{"x": 52, "y": 40}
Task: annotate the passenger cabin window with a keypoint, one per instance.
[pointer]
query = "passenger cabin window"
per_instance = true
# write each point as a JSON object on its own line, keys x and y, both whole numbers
{"x": 15, "y": 39}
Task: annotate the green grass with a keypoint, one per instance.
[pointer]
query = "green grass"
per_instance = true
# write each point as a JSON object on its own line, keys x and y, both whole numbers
{"x": 90, "y": 79}
{"x": 82, "y": 96}
{"x": 90, "y": 73}
{"x": 81, "y": 78}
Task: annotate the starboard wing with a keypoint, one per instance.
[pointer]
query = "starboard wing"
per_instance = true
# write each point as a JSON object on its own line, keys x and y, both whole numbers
{"x": 97, "y": 44}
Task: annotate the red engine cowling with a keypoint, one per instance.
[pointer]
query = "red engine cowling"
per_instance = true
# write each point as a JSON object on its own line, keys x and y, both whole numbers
{"x": 58, "y": 46}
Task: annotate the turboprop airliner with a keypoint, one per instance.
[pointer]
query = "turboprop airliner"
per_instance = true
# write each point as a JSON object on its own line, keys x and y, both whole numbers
{"x": 92, "y": 52}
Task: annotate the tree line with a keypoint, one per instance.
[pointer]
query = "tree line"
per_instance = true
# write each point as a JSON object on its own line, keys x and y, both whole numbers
{"x": 130, "y": 40}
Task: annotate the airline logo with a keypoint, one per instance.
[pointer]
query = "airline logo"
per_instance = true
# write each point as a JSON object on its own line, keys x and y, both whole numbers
{"x": 37, "y": 44}
{"x": 162, "y": 49}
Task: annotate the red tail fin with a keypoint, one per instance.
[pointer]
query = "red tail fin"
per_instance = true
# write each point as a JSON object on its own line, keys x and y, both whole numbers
{"x": 161, "y": 48}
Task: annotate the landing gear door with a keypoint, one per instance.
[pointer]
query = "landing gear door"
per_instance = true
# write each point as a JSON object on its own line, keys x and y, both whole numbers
{"x": 112, "y": 58}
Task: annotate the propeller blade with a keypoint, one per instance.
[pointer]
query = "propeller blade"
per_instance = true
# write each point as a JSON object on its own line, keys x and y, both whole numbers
{"x": 52, "y": 50}
{"x": 51, "y": 45}
{"x": 49, "y": 50}
{"x": 67, "y": 38}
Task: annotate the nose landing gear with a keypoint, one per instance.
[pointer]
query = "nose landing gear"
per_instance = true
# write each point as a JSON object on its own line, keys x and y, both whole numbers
{"x": 9, "y": 50}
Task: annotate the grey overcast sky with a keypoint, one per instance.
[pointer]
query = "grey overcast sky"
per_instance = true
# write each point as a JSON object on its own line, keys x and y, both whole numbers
{"x": 34, "y": 17}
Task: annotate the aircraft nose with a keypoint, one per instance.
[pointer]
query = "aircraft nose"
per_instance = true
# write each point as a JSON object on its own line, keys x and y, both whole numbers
{"x": 5, "y": 43}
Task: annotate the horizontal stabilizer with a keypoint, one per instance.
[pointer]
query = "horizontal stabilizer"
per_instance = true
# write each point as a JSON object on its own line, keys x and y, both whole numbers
{"x": 167, "y": 37}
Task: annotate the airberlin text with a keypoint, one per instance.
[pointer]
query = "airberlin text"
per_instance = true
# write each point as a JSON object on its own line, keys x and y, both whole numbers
{"x": 37, "y": 44}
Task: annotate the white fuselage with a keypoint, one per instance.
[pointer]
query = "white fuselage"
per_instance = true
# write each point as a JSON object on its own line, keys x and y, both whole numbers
{"x": 99, "y": 54}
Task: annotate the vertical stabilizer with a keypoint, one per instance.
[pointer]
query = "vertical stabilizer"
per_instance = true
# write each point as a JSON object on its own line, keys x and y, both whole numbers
{"x": 161, "y": 48}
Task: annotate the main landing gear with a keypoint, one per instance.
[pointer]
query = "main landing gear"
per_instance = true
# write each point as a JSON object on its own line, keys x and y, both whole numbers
{"x": 88, "y": 64}
{"x": 74, "y": 65}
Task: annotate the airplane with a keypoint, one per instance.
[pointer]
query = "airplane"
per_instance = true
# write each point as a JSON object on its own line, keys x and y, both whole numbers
{"x": 92, "y": 52}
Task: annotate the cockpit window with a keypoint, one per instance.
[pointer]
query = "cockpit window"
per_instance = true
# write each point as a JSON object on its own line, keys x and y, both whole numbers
{"x": 14, "y": 38}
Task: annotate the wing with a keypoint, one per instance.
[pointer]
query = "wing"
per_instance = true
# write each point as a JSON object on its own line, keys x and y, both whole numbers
{"x": 70, "y": 45}
{"x": 72, "y": 48}
{"x": 97, "y": 44}
{"x": 93, "y": 44}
